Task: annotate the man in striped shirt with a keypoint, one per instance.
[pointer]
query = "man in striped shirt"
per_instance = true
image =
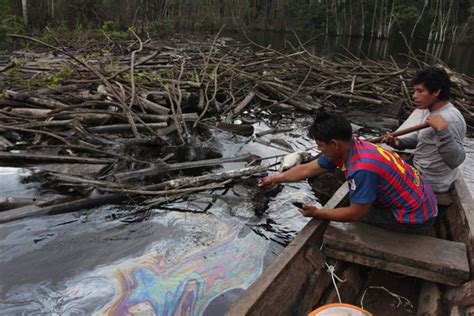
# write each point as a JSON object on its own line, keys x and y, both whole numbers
{"x": 383, "y": 189}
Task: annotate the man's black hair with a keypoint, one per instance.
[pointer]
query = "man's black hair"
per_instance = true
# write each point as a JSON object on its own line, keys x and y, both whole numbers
{"x": 434, "y": 79}
{"x": 328, "y": 126}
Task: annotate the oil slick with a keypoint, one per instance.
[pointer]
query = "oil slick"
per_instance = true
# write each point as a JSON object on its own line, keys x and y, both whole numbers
{"x": 186, "y": 286}
{"x": 171, "y": 277}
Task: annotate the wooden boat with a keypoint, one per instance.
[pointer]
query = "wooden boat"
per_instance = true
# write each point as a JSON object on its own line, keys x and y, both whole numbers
{"x": 297, "y": 282}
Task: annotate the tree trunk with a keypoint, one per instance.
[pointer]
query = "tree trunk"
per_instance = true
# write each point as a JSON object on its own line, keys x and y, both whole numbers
{"x": 24, "y": 6}
{"x": 52, "y": 9}
{"x": 374, "y": 14}
{"x": 418, "y": 20}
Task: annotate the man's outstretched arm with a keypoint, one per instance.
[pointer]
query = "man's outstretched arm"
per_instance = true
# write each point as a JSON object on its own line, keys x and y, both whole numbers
{"x": 295, "y": 174}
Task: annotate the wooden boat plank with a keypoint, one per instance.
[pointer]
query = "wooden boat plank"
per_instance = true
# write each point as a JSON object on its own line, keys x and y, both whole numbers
{"x": 290, "y": 278}
{"x": 286, "y": 279}
{"x": 462, "y": 296}
{"x": 393, "y": 267}
{"x": 433, "y": 255}
{"x": 449, "y": 272}
{"x": 460, "y": 217}
{"x": 429, "y": 300}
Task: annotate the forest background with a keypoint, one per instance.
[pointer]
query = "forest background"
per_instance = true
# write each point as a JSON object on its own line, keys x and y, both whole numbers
{"x": 434, "y": 20}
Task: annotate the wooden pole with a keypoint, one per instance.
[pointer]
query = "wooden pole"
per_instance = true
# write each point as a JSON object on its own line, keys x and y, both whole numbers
{"x": 400, "y": 132}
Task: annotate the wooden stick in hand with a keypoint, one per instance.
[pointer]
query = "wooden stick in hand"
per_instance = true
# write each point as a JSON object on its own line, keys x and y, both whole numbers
{"x": 400, "y": 132}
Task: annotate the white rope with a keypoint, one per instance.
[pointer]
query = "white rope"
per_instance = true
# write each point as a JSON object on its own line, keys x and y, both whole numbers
{"x": 400, "y": 298}
{"x": 334, "y": 277}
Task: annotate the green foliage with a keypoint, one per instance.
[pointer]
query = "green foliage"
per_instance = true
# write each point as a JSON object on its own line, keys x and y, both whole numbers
{"x": 118, "y": 35}
{"x": 406, "y": 17}
{"x": 110, "y": 26}
{"x": 14, "y": 70}
{"x": 142, "y": 77}
{"x": 163, "y": 28}
{"x": 3, "y": 36}
{"x": 309, "y": 18}
{"x": 112, "y": 29}
{"x": 62, "y": 27}
{"x": 64, "y": 73}
{"x": 13, "y": 24}
{"x": 5, "y": 9}
{"x": 192, "y": 77}
{"x": 50, "y": 36}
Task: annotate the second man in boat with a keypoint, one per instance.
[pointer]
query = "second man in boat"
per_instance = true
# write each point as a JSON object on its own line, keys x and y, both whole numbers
{"x": 384, "y": 190}
{"x": 439, "y": 150}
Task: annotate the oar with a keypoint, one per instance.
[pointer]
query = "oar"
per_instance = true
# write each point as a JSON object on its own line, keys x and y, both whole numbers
{"x": 400, "y": 132}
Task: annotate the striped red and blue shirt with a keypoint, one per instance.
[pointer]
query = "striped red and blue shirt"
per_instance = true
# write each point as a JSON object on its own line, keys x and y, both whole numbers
{"x": 378, "y": 176}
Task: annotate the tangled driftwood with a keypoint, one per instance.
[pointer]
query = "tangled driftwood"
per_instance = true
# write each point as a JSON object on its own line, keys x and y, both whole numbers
{"x": 157, "y": 94}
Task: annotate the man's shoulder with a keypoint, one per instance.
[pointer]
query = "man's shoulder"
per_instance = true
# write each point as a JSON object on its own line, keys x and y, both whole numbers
{"x": 451, "y": 112}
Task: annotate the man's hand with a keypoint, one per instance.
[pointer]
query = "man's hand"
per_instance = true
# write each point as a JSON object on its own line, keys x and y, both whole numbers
{"x": 391, "y": 141}
{"x": 308, "y": 210}
{"x": 266, "y": 182}
{"x": 437, "y": 122}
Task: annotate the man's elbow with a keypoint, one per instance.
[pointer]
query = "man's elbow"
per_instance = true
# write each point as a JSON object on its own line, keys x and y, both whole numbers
{"x": 456, "y": 161}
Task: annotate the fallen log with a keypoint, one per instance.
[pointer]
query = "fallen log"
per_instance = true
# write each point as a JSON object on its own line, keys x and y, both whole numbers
{"x": 213, "y": 177}
{"x": 127, "y": 176}
{"x": 25, "y": 158}
{"x": 50, "y": 104}
{"x": 83, "y": 180}
{"x": 4, "y": 143}
{"x": 9, "y": 202}
{"x": 31, "y": 210}
{"x": 71, "y": 168}
{"x": 242, "y": 129}
{"x": 274, "y": 131}
{"x": 211, "y": 186}
{"x": 164, "y": 118}
{"x": 10, "y": 65}
{"x": 244, "y": 102}
{"x": 35, "y": 93}
{"x": 30, "y": 112}
{"x": 153, "y": 107}
{"x": 27, "y": 130}
{"x": 124, "y": 128}
{"x": 350, "y": 96}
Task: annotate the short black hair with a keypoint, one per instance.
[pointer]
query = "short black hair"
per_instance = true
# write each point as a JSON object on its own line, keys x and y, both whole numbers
{"x": 434, "y": 79}
{"x": 328, "y": 126}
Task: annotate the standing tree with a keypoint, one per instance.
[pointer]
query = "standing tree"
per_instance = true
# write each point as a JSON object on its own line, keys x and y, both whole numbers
{"x": 24, "y": 6}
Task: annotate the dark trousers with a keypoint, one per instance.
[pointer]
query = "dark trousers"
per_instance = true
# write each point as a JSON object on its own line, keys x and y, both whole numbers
{"x": 383, "y": 218}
